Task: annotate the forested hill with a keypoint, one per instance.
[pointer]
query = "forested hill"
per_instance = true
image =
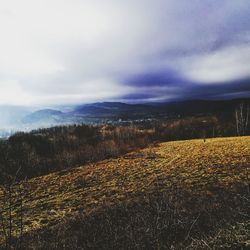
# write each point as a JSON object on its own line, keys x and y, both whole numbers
{"x": 47, "y": 150}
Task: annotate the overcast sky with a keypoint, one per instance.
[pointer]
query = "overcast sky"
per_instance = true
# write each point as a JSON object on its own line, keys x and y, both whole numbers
{"x": 80, "y": 51}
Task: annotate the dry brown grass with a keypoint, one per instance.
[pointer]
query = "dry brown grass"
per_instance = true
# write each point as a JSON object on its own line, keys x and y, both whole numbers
{"x": 199, "y": 176}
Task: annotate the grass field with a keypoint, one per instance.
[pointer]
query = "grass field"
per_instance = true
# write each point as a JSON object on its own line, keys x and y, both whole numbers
{"x": 198, "y": 190}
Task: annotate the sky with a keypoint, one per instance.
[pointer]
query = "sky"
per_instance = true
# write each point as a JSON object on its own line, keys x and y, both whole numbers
{"x": 58, "y": 52}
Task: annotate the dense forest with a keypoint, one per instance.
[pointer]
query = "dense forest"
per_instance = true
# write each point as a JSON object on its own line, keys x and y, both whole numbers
{"x": 46, "y": 150}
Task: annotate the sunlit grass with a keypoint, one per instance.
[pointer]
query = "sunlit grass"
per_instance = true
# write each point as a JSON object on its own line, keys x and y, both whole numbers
{"x": 200, "y": 168}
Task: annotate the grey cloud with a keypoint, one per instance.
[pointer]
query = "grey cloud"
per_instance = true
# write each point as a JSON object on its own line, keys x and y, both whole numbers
{"x": 82, "y": 51}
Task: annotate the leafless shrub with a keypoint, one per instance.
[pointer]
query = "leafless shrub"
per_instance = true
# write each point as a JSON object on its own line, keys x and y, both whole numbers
{"x": 11, "y": 214}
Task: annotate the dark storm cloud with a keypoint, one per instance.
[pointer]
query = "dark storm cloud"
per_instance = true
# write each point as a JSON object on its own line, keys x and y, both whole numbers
{"x": 160, "y": 78}
{"x": 188, "y": 91}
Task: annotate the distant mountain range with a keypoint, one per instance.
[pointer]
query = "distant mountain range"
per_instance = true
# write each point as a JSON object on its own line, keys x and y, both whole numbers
{"x": 118, "y": 110}
{"x": 20, "y": 117}
{"x": 44, "y": 116}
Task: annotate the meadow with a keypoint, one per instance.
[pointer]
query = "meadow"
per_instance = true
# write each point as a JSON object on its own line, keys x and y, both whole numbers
{"x": 191, "y": 194}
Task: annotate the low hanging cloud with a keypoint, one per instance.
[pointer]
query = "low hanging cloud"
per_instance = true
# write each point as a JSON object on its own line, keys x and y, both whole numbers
{"x": 72, "y": 51}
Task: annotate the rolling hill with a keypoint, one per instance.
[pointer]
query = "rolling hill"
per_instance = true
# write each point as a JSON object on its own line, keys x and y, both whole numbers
{"x": 16, "y": 119}
{"x": 185, "y": 193}
{"x": 43, "y": 116}
{"x": 116, "y": 110}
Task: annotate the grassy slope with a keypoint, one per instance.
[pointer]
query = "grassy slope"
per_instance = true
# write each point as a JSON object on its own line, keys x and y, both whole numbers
{"x": 199, "y": 176}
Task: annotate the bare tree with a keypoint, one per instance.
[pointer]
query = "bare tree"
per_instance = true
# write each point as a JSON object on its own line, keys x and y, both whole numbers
{"x": 11, "y": 213}
{"x": 242, "y": 118}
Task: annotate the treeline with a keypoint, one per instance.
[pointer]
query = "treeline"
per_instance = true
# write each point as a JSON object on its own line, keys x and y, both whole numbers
{"x": 194, "y": 128}
{"x": 46, "y": 150}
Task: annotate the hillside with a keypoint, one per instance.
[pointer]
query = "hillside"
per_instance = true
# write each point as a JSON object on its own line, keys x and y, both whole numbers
{"x": 45, "y": 115}
{"x": 97, "y": 112}
{"x": 164, "y": 109}
{"x": 185, "y": 193}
